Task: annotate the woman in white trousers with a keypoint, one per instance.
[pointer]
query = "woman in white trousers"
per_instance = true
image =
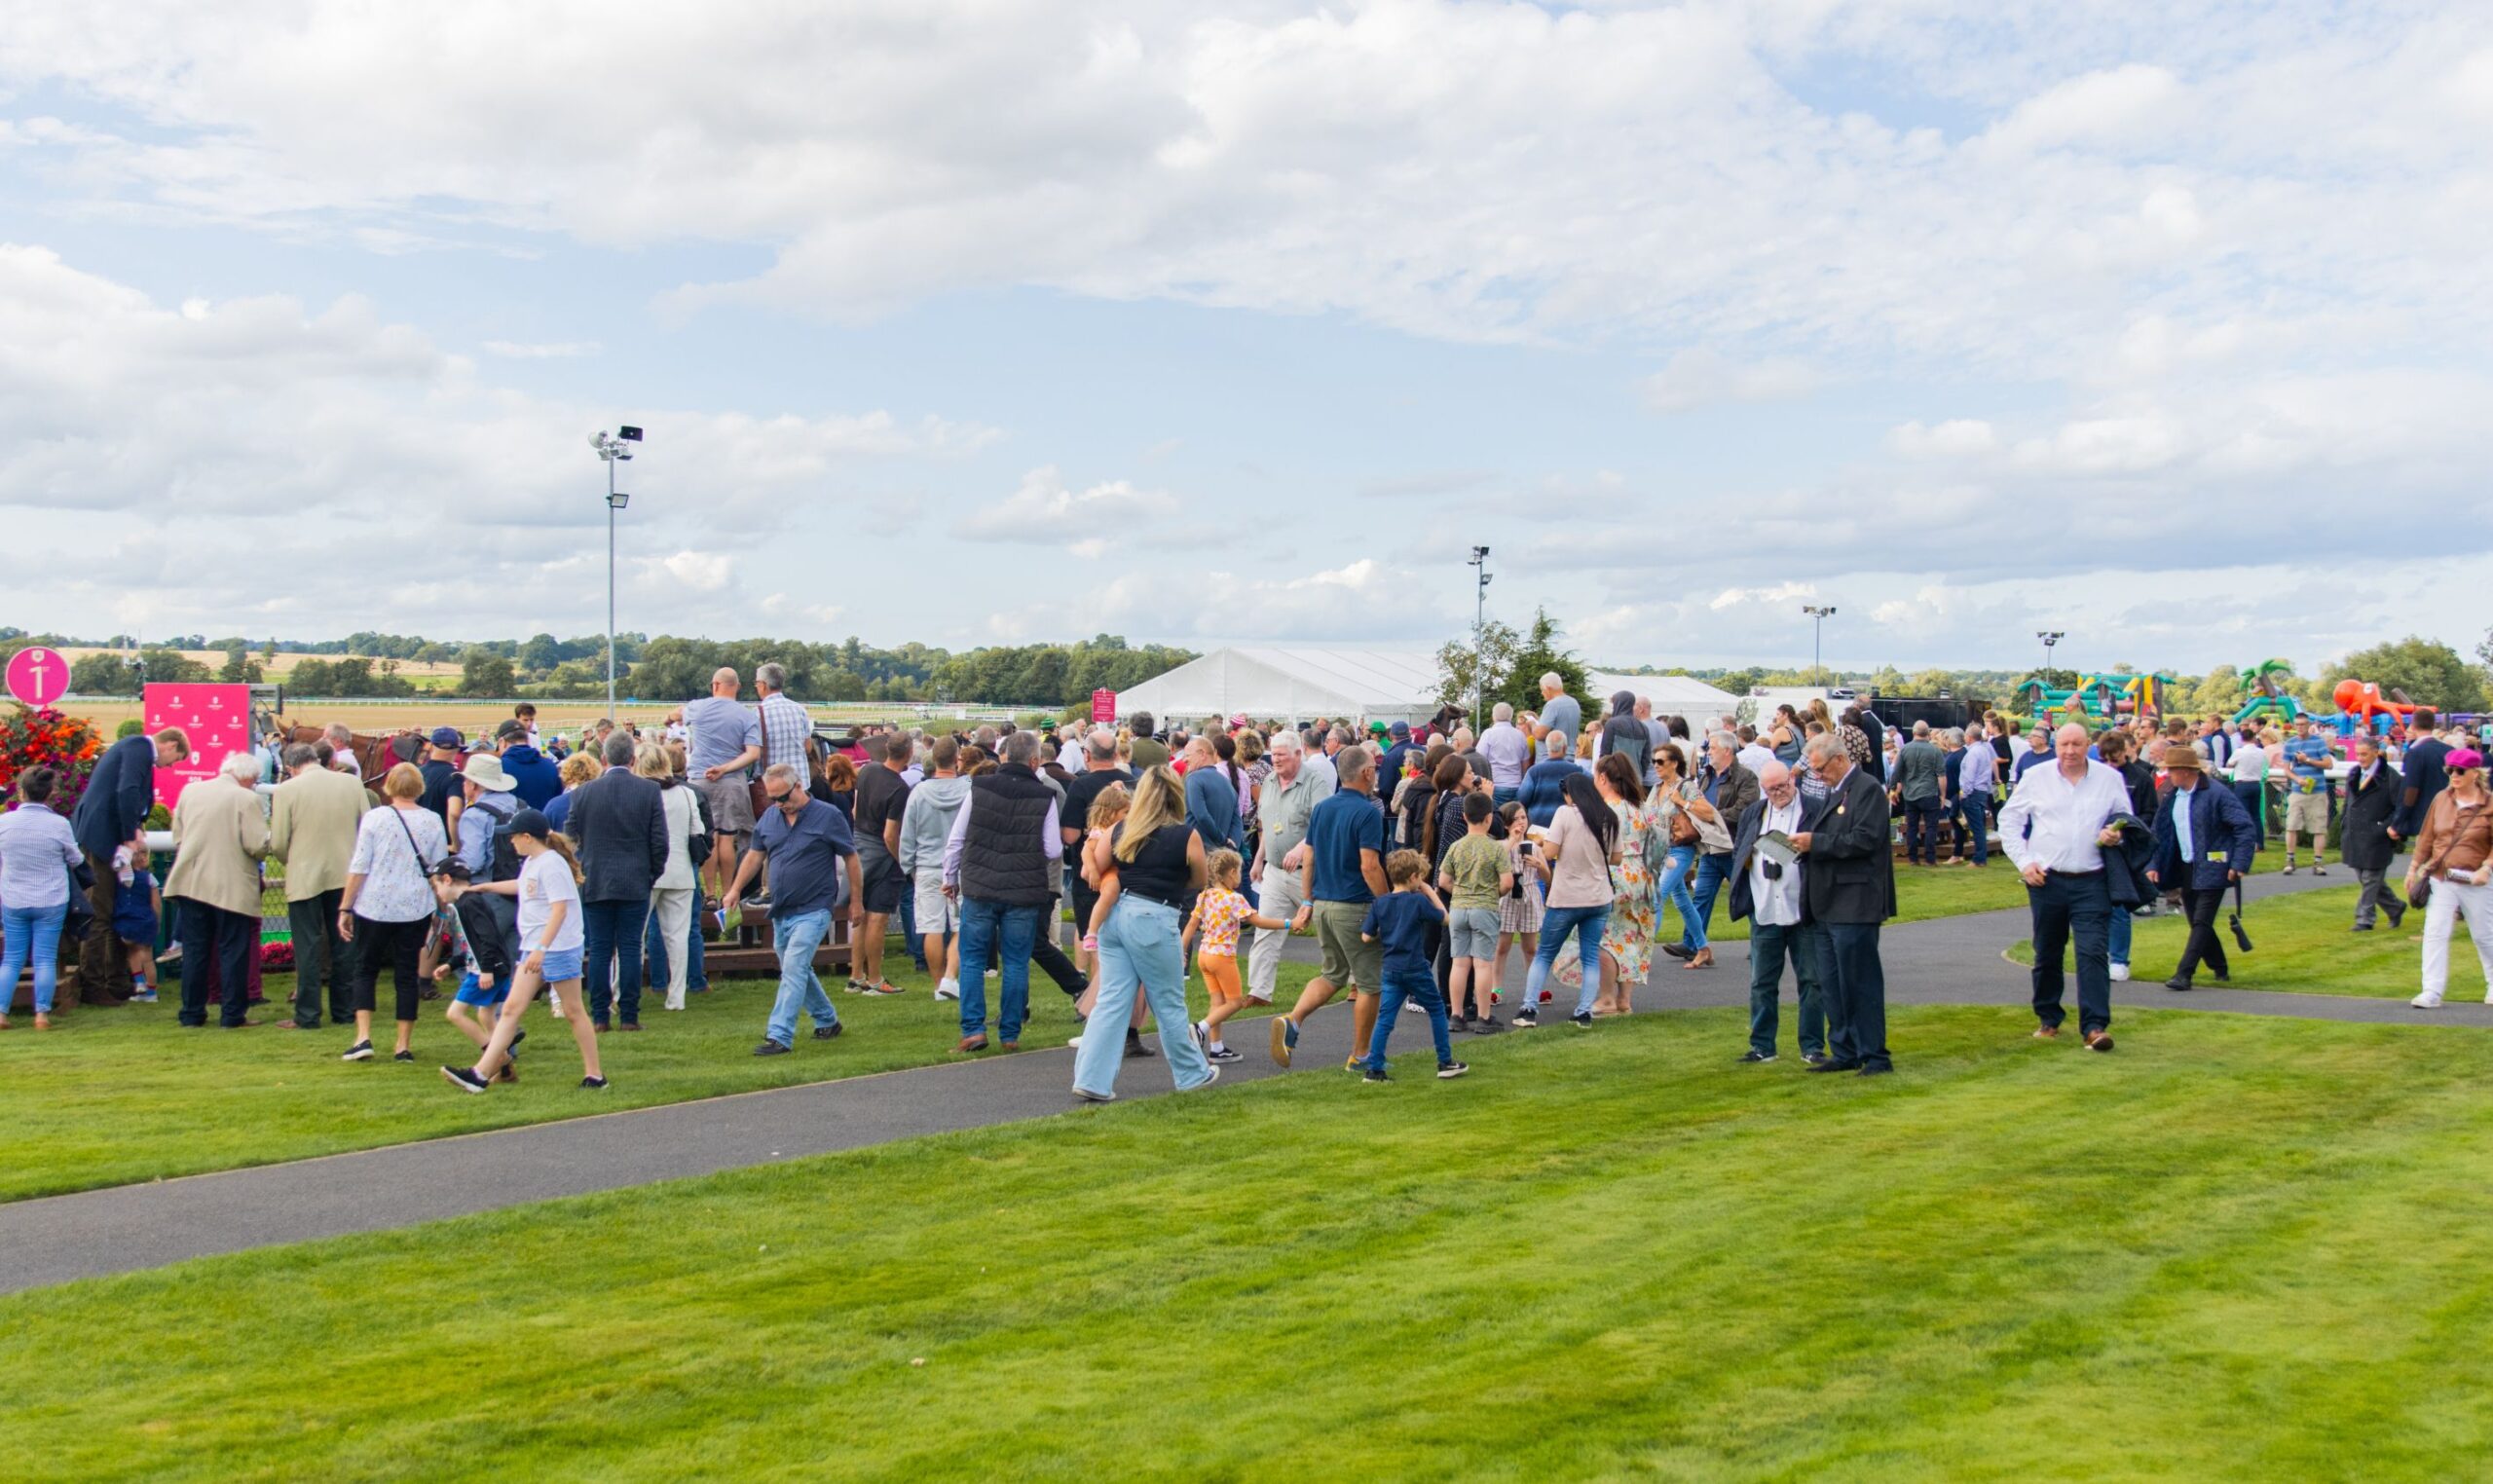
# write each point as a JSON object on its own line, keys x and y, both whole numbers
{"x": 671, "y": 896}
{"x": 2455, "y": 854}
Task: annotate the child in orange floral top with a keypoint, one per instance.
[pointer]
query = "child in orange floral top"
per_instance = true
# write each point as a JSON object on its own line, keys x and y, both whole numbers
{"x": 1219, "y": 913}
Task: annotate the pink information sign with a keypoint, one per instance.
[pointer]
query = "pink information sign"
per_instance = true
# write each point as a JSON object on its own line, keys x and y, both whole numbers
{"x": 1103, "y": 706}
{"x": 38, "y": 677}
{"x": 217, "y": 718}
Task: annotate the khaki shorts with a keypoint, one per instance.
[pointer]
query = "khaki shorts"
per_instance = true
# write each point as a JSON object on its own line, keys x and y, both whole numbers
{"x": 731, "y": 801}
{"x": 1348, "y": 964}
{"x": 2307, "y": 813}
{"x": 936, "y": 913}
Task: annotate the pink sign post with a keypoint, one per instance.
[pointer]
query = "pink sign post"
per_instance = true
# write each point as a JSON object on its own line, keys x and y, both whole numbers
{"x": 1103, "y": 707}
{"x": 217, "y": 718}
{"x": 38, "y": 677}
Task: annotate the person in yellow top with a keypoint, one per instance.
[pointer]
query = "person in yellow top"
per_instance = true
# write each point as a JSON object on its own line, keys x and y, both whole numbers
{"x": 1219, "y": 913}
{"x": 220, "y": 834}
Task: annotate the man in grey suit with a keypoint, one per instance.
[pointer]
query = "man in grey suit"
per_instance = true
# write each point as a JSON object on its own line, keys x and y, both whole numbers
{"x": 618, "y": 824}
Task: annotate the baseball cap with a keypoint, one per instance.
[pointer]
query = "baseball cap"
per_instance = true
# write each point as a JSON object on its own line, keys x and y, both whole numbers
{"x": 532, "y": 822}
{"x": 1400, "y": 730}
{"x": 445, "y": 736}
{"x": 511, "y": 730}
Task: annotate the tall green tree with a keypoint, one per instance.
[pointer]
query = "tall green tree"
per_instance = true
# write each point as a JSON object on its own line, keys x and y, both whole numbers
{"x": 1461, "y": 665}
{"x": 484, "y": 673}
{"x": 2429, "y": 672}
{"x": 1540, "y": 653}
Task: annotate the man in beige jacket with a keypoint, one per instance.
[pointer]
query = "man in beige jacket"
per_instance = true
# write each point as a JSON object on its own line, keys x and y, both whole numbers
{"x": 313, "y": 817}
{"x": 219, "y": 836}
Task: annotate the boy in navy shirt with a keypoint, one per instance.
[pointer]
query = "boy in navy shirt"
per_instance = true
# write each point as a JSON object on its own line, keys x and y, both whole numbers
{"x": 1404, "y": 924}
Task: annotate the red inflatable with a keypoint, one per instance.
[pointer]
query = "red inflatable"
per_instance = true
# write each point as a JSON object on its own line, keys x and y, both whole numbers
{"x": 2362, "y": 698}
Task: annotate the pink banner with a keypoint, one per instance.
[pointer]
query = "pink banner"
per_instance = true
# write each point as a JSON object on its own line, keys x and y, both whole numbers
{"x": 1103, "y": 707}
{"x": 217, "y": 718}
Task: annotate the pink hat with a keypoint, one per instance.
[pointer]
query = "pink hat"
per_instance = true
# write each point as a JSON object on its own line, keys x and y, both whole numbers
{"x": 2465, "y": 757}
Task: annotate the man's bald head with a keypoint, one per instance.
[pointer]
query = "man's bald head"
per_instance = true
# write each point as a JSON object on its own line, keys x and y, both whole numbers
{"x": 723, "y": 682}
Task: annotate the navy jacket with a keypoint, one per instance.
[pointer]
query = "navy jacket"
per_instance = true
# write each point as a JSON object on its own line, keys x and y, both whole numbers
{"x": 1849, "y": 873}
{"x": 118, "y": 793}
{"x": 618, "y": 823}
{"x": 2217, "y": 822}
{"x": 534, "y": 777}
{"x": 1544, "y": 790}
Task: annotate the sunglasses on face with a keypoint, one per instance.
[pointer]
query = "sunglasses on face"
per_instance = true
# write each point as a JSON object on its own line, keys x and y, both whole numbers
{"x": 781, "y": 800}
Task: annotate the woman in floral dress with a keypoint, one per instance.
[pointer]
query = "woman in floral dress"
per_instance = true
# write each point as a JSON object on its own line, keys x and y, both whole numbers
{"x": 1627, "y": 942}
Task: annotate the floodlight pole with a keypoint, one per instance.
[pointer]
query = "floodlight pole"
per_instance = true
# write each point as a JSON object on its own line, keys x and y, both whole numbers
{"x": 609, "y": 450}
{"x": 2050, "y": 637}
{"x": 1818, "y": 617}
{"x": 1479, "y": 628}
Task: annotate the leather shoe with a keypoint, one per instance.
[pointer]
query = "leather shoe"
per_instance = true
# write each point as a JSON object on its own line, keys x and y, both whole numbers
{"x": 1874, "y": 1071}
{"x": 635, "y": 1025}
{"x": 1837, "y": 1066}
{"x": 1679, "y": 950}
{"x": 972, "y": 1044}
{"x": 2176, "y": 982}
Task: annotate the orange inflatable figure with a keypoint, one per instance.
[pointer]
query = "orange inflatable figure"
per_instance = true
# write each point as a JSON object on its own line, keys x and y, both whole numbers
{"x": 2362, "y": 698}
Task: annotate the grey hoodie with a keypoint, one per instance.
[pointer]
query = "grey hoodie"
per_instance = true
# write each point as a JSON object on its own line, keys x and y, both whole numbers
{"x": 927, "y": 823}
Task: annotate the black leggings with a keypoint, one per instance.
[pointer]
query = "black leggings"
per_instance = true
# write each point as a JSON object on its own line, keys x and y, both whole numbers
{"x": 397, "y": 944}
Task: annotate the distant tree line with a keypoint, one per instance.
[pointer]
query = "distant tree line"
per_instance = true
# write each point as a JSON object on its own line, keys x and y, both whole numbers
{"x": 369, "y": 665}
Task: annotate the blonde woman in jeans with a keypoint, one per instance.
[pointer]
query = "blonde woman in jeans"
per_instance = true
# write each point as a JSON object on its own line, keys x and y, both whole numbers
{"x": 671, "y": 893}
{"x": 2455, "y": 853}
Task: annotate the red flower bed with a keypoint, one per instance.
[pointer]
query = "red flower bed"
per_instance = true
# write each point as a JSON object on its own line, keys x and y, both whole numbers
{"x": 46, "y": 738}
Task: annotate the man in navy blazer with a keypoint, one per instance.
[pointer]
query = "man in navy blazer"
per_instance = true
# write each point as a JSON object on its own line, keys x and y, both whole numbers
{"x": 2204, "y": 842}
{"x": 1848, "y": 884}
{"x": 618, "y": 825}
{"x": 120, "y": 791}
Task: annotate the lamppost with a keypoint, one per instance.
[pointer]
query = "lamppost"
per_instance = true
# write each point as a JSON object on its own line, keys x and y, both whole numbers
{"x": 2050, "y": 637}
{"x": 1818, "y": 617}
{"x": 1479, "y": 622}
{"x": 610, "y": 449}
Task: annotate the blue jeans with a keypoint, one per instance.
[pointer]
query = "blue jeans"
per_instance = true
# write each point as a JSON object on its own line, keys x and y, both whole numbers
{"x": 611, "y": 959}
{"x": 1922, "y": 830}
{"x": 1587, "y": 923}
{"x": 1399, "y": 988}
{"x": 1673, "y": 888}
{"x": 2117, "y": 936}
{"x": 696, "y": 978}
{"x": 1138, "y": 954}
{"x": 795, "y": 938}
{"x": 1769, "y": 944}
{"x": 1712, "y": 871}
{"x": 1973, "y": 816}
{"x": 1501, "y": 798}
{"x": 31, "y": 931}
{"x": 992, "y": 928}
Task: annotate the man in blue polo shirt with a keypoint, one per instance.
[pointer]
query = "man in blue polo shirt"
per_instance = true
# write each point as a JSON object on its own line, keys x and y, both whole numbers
{"x": 2308, "y": 754}
{"x": 805, "y": 841}
{"x": 1341, "y": 865}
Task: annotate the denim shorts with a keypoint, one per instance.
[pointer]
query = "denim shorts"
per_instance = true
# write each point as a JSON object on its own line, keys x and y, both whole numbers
{"x": 1472, "y": 931}
{"x": 562, "y": 964}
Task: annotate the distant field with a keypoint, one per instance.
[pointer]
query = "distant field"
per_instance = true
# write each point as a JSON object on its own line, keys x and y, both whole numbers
{"x": 283, "y": 665}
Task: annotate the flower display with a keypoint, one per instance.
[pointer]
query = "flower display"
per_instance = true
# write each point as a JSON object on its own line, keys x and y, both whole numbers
{"x": 46, "y": 738}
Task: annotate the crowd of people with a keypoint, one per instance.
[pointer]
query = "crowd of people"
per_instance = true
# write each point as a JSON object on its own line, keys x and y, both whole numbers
{"x": 1422, "y": 859}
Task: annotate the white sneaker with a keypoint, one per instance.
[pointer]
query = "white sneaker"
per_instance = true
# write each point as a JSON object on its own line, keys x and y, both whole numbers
{"x": 2120, "y": 973}
{"x": 1071, "y": 1040}
{"x": 948, "y": 990}
{"x": 2433, "y": 1001}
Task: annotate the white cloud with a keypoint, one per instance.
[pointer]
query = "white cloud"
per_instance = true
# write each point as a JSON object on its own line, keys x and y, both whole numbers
{"x": 511, "y": 349}
{"x": 1955, "y": 439}
{"x": 1701, "y": 378}
{"x": 1044, "y": 512}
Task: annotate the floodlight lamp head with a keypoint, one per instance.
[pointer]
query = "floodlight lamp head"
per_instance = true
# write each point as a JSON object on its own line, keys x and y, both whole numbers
{"x": 628, "y": 434}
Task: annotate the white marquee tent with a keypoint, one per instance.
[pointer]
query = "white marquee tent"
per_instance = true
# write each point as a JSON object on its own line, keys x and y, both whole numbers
{"x": 1672, "y": 696}
{"x": 1294, "y": 686}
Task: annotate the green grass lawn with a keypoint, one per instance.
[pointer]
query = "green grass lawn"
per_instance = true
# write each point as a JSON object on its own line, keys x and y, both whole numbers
{"x": 111, "y": 1096}
{"x": 2304, "y": 944}
{"x": 1601, "y": 1256}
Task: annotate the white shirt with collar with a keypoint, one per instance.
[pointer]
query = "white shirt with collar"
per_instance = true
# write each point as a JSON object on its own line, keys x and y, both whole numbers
{"x": 2054, "y": 822}
{"x": 1776, "y": 904}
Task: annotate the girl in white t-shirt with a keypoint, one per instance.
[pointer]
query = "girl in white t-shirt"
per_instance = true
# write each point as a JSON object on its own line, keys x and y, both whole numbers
{"x": 550, "y": 938}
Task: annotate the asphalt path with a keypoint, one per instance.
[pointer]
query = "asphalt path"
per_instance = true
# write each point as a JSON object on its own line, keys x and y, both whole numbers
{"x": 1943, "y": 961}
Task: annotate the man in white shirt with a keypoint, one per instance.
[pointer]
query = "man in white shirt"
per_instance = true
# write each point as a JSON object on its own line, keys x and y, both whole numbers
{"x": 1508, "y": 750}
{"x": 1768, "y": 895}
{"x": 2055, "y": 828}
{"x": 1754, "y": 755}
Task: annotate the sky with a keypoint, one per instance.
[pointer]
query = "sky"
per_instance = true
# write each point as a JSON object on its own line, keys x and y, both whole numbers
{"x": 2165, "y": 325}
